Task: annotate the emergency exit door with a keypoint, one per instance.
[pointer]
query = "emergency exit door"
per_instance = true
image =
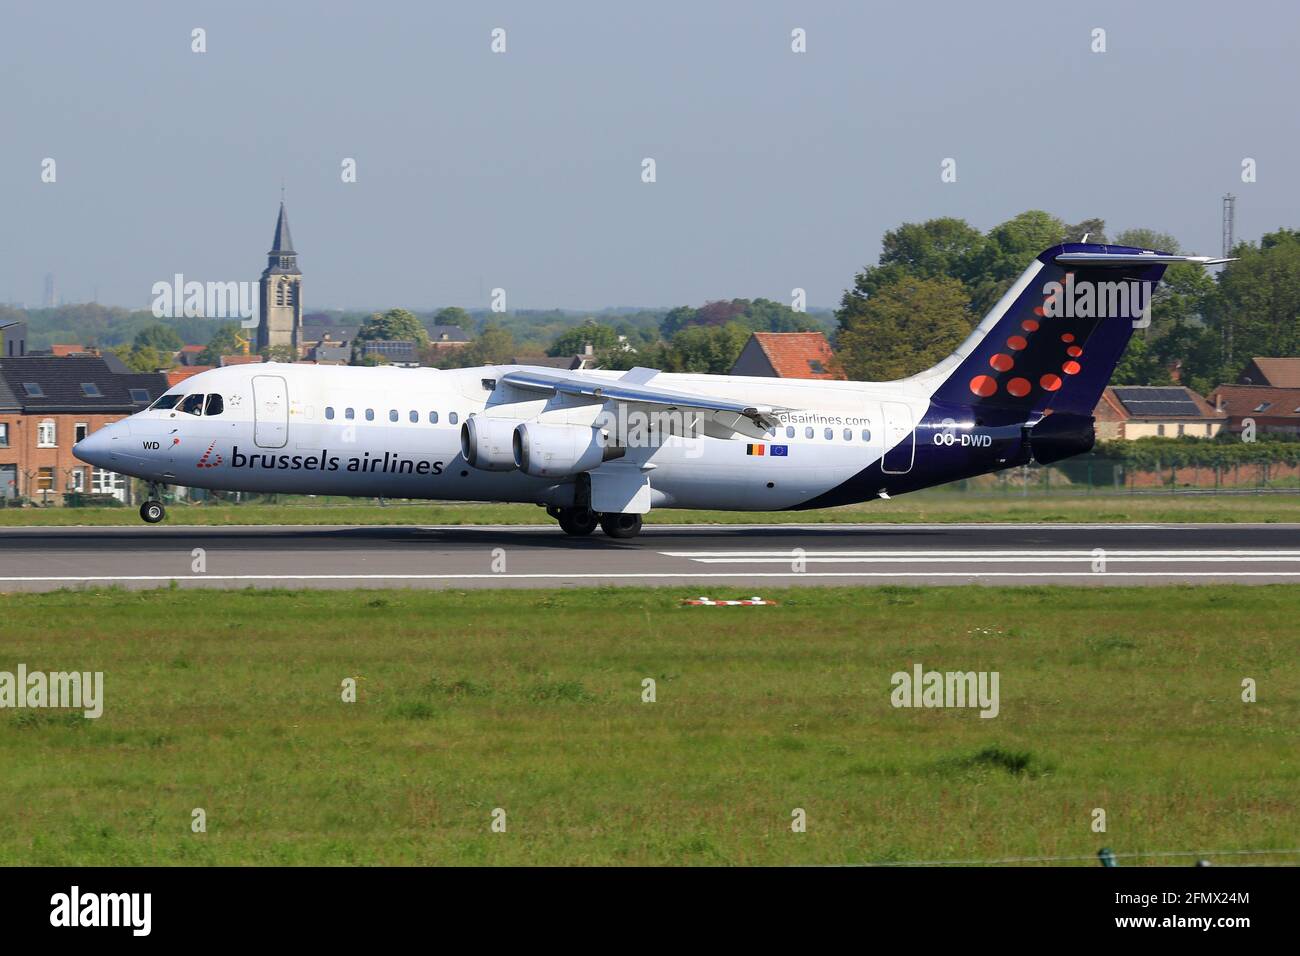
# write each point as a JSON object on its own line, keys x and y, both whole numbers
{"x": 270, "y": 411}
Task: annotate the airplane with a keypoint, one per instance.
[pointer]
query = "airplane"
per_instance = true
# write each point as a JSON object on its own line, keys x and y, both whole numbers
{"x": 602, "y": 448}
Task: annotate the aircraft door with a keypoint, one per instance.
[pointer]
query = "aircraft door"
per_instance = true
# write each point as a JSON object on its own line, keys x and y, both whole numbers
{"x": 900, "y": 439}
{"x": 270, "y": 411}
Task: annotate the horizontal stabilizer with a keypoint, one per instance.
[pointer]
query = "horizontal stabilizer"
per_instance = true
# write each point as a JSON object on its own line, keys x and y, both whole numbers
{"x": 1103, "y": 259}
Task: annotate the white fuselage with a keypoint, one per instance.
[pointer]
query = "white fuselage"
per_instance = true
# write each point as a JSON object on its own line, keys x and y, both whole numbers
{"x": 394, "y": 432}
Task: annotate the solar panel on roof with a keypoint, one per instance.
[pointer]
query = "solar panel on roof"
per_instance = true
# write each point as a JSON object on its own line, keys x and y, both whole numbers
{"x": 1163, "y": 408}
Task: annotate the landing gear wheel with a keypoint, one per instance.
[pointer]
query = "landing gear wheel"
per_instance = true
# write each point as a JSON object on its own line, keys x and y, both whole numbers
{"x": 578, "y": 521}
{"x": 621, "y": 525}
{"x": 152, "y": 512}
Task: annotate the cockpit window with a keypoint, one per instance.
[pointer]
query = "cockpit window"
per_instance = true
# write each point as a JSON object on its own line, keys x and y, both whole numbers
{"x": 215, "y": 405}
{"x": 193, "y": 404}
{"x": 166, "y": 401}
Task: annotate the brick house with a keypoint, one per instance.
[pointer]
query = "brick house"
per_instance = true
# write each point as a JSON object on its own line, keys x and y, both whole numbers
{"x": 47, "y": 405}
{"x": 1163, "y": 411}
{"x": 1274, "y": 372}
{"x": 1273, "y": 410}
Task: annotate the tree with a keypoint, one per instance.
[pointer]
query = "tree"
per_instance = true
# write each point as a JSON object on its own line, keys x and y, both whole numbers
{"x": 677, "y": 319}
{"x": 280, "y": 353}
{"x": 453, "y": 315}
{"x": 573, "y": 341}
{"x": 1150, "y": 239}
{"x": 1256, "y": 308}
{"x": 140, "y": 359}
{"x": 709, "y": 349}
{"x": 395, "y": 325}
{"x": 495, "y": 346}
{"x": 159, "y": 337}
{"x": 1094, "y": 229}
{"x": 225, "y": 340}
{"x": 903, "y": 328}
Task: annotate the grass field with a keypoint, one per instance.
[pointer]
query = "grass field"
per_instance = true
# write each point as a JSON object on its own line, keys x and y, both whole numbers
{"x": 1126, "y": 699}
{"x": 924, "y": 507}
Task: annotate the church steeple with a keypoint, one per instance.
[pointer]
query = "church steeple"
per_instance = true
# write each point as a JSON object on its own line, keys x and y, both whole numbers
{"x": 281, "y": 292}
{"x": 282, "y": 260}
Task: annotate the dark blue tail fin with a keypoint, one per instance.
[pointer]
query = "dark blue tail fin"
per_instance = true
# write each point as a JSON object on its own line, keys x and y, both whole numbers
{"x": 1053, "y": 341}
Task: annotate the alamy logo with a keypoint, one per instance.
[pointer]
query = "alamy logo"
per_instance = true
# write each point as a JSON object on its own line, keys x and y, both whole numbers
{"x": 1126, "y": 299}
{"x": 103, "y": 909}
{"x": 58, "y": 689}
{"x": 207, "y": 300}
{"x": 922, "y": 688}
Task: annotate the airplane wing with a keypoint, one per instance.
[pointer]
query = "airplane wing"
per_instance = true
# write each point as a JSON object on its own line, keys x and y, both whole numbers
{"x": 751, "y": 420}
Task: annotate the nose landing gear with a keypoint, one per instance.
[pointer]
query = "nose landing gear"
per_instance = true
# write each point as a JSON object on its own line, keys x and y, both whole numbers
{"x": 152, "y": 511}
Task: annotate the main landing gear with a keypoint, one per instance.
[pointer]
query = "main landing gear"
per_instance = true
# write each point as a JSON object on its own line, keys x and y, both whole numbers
{"x": 152, "y": 511}
{"x": 583, "y": 521}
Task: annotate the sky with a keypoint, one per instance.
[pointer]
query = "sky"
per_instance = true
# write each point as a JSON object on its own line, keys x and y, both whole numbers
{"x": 523, "y": 170}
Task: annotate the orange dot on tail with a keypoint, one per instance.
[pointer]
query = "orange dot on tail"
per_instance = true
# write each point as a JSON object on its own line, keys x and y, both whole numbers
{"x": 1018, "y": 387}
{"x": 1038, "y": 310}
{"x": 1050, "y": 382}
{"x": 1067, "y": 337}
{"x": 983, "y": 385}
{"x": 1029, "y": 325}
{"x": 1003, "y": 363}
{"x": 1016, "y": 342}
{"x": 1074, "y": 351}
{"x": 1071, "y": 368}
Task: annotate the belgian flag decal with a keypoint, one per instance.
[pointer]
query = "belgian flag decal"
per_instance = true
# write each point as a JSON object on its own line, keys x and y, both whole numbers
{"x": 755, "y": 450}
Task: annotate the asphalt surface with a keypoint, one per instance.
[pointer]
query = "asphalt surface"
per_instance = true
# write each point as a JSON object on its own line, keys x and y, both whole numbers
{"x": 744, "y": 557}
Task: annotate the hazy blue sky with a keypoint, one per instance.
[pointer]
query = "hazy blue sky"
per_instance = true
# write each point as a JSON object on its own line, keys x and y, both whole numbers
{"x": 523, "y": 170}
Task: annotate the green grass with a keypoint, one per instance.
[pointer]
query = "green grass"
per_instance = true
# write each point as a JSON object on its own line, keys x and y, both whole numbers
{"x": 1126, "y": 699}
{"x": 922, "y": 507}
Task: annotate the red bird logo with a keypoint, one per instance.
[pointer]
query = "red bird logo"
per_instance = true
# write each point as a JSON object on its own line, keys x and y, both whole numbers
{"x": 204, "y": 463}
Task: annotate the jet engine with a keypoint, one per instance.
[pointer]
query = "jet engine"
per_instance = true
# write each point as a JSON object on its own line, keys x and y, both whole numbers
{"x": 486, "y": 443}
{"x": 559, "y": 451}
{"x": 1060, "y": 436}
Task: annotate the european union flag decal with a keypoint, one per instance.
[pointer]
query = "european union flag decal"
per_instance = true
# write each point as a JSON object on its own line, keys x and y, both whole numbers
{"x": 780, "y": 451}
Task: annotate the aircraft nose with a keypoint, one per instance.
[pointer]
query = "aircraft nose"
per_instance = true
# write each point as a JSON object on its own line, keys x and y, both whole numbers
{"x": 97, "y": 447}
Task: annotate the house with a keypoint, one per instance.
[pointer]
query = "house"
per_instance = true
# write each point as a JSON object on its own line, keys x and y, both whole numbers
{"x": 47, "y": 404}
{"x": 789, "y": 355}
{"x": 241, "y": 360}
{"x": 1276, "y": 372}
{"x": 448, "y": 337}
{"x": 324, "y": 354}
{"x": 1143, "y": 411}
{"x": 568, "y": 363}
{"x": 1273, "y": 410}
{"x": 398, "y": 352}
{"x": 13, "y": 339}
{"x": 175, "y": 376}
{"x": 189, "y": 354}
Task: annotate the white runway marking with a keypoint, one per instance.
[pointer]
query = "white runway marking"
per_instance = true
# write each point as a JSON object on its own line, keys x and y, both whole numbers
{"x": 663, "y": 575}
{"x": 977, "y": 557}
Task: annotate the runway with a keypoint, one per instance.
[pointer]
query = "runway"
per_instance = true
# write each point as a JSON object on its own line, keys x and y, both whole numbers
{"x": 704, "y": 557}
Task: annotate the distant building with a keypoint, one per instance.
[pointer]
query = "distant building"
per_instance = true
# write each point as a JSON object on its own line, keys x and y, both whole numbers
{"x": 177, "y": 375}
{"x": 330, "y": 354}
{"x": 241, "y": 360}
{"x": 789, "y": 355}
{"x": 47, "y": 405}
{"x": 1168, "y": 411}
{"x": 569, "y": 363}
{"x": 1275, "y": 372}
{"x": 50, "y": 298}
{"x": 1273, "y": 410}
{"x": 281, "y": 293}
{"x": 189, "y": 354}
{"x": 13, "y": 339}
{"x": 448, "y": 337}
{"x": 397, "y": 352}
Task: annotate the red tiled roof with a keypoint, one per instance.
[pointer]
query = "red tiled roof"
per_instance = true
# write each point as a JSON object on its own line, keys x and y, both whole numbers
{"x": 240, "y": 360}
{"x": 1244, "y": 401}
{"x": 64, "y": 350}
{"x": 1278, "y": 372}
{"x": 800, "y": 355}
{"x": 177, "y": 375}
{"x": 195, "y": 349}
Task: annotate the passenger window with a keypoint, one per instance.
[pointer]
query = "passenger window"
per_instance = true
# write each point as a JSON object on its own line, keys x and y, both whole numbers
{"x": 830, "y": 434}
{"x": 329, "y": 413}
{"x": 392, "y": 414}
{"x": 215, "y": 405}
{"x": 192, "y": 404}
{"x": 848, "y": 434}
{"x": 370, "y": 414}
{"x": 866, "y": 434}
{"x": 808, "y": 432}
{"x": 789, "y": 431}
{"x": 349, "y": 414}
{"x": 433, "y": 418}
{"x": 452, "y": 418}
